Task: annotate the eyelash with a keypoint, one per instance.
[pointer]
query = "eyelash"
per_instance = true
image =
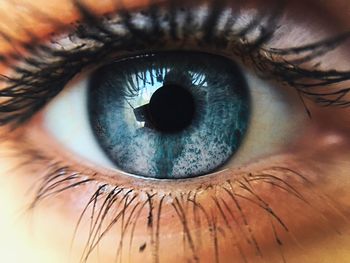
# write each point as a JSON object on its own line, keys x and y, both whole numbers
{"x": 109, "y": 203}
{"x": 42, "y": 75}
{"x": 36, "y": 80}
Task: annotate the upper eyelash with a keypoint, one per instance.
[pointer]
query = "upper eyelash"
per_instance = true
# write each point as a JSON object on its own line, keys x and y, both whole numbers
{"x": 324, "y": 78}
{"x": 37, "y": 78}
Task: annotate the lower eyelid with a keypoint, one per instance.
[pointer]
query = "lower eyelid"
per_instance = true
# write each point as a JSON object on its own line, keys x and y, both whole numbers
{"x": 289, "y": 205}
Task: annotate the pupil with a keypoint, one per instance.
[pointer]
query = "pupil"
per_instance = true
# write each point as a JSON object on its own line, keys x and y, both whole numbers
{"x": 171, "y": 108}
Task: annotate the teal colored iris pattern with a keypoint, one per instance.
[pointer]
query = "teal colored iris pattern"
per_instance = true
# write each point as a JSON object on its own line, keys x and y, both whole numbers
{"x": 222, "y": 112}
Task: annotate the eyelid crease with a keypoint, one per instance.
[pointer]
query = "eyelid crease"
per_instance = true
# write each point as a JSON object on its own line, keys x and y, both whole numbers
{"x": 35, "y": 22}
{"x": 36, "y": 25}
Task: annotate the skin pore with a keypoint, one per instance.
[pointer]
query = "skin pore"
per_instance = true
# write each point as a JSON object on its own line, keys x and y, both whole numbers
{"x": 320, "y": 234}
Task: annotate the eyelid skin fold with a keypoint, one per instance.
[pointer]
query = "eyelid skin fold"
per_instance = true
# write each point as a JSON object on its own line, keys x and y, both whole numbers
{"x": 42, "y": 17}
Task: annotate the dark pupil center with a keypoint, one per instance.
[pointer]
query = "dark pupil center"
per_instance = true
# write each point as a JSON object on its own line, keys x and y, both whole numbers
{"x": 171, "y": 109}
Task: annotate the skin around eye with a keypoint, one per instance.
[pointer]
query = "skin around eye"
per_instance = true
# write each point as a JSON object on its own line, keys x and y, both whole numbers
{"x": 315, "y": 231}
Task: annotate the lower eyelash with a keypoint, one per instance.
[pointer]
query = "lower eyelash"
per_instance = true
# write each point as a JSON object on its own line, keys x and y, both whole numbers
{"x": 223, "y": 208}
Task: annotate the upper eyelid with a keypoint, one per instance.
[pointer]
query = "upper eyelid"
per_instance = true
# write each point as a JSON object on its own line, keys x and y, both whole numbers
{"x": 268, "y": 63}
{"x": 39, "y": 19}
{"x": 50, "y": 23}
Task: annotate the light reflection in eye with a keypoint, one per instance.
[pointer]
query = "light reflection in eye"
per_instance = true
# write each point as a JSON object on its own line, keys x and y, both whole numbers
{"x": 152, "y": 84}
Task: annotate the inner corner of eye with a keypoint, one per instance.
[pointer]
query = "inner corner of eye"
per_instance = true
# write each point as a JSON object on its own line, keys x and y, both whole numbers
{"x": 170, "y": 115}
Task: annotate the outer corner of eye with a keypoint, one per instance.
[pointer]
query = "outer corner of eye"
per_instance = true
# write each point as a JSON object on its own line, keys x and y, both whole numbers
{"x": 170, "y": 116}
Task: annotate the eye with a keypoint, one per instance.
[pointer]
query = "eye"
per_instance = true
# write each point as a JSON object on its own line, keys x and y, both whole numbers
{"x": 217, "y": 94}
{"x": 169, "y": 115}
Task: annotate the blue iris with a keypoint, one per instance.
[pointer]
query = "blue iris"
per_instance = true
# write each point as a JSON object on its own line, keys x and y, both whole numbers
{"x": 169, "y": 115}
